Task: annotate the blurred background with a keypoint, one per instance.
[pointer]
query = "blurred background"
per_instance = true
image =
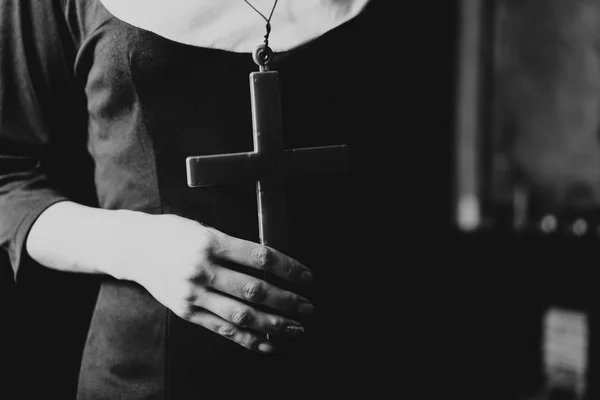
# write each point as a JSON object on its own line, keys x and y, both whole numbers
{"x": 527, "y": 190}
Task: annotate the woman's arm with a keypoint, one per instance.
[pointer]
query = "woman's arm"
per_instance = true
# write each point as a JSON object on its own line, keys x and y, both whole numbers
{"x": 182, "y": 263}
{"x": 38, "y": 114}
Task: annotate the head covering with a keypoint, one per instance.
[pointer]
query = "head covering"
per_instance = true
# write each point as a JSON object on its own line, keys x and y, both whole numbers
{"x": 232, "y": 24}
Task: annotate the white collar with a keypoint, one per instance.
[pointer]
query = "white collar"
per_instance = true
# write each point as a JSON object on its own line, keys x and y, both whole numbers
{"x": 231, "y": 24}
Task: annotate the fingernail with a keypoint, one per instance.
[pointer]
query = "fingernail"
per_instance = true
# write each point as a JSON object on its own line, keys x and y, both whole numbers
{"x": 306, "y": 277}
{"x": 294, "y": 330}
{"x": 306, "y": 308}
{"x": 266, "y": 347}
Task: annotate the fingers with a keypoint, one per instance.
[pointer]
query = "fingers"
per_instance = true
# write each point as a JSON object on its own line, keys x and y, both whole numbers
{"x": 244, "y": 316}
{"x": 257, "y": 291}
{"x": 245, "y": 338}
{"x": 262, "y": 258}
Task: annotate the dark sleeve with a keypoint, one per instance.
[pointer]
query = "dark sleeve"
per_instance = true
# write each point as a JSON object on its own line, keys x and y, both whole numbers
{"x": 39, "y": 114}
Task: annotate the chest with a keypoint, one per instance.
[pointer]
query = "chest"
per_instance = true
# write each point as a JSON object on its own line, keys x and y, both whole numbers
{"x": 197, "y": 100}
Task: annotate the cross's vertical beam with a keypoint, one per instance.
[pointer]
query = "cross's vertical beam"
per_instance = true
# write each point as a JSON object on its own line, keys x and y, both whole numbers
{"x": 268, "y": 141}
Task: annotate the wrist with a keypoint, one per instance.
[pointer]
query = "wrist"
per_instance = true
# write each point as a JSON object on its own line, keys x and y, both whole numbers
{"x": 74, "y": 238}
{"x": 118, "y": 243}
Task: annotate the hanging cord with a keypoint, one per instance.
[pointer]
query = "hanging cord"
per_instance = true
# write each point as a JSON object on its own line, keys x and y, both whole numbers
{"x": 268, "y": 20}
{"x": 263, "y": 54}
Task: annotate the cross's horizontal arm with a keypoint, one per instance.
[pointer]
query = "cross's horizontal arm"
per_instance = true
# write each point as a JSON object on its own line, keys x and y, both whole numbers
{"x": 222, "y": 169}
{"x": 237, "y": 167}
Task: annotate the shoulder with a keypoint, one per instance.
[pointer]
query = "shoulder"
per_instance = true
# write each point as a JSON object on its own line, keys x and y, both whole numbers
{"x": 84, "y": 17}
{"x": 44, "y": 20}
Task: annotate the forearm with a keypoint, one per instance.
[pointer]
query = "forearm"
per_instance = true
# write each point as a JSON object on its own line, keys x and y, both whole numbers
{"x": 183, "y": 264}
{"x": 74, "y": 238}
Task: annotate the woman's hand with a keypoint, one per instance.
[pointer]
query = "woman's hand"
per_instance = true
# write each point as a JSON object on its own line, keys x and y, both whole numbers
{"x": 184, "y": 265}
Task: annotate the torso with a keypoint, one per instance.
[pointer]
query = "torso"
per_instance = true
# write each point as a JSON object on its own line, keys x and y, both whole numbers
{"x": 153, "y": 102}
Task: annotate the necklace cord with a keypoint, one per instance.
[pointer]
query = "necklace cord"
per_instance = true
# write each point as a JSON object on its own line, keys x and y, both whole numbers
{"x": 268, "y": 27}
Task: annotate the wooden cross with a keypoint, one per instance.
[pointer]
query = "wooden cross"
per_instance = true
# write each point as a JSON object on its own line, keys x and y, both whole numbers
{"x": 269, "y": 163}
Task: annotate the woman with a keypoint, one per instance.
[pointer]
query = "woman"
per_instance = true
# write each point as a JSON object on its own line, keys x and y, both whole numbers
{"x": 101, "y": 102}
